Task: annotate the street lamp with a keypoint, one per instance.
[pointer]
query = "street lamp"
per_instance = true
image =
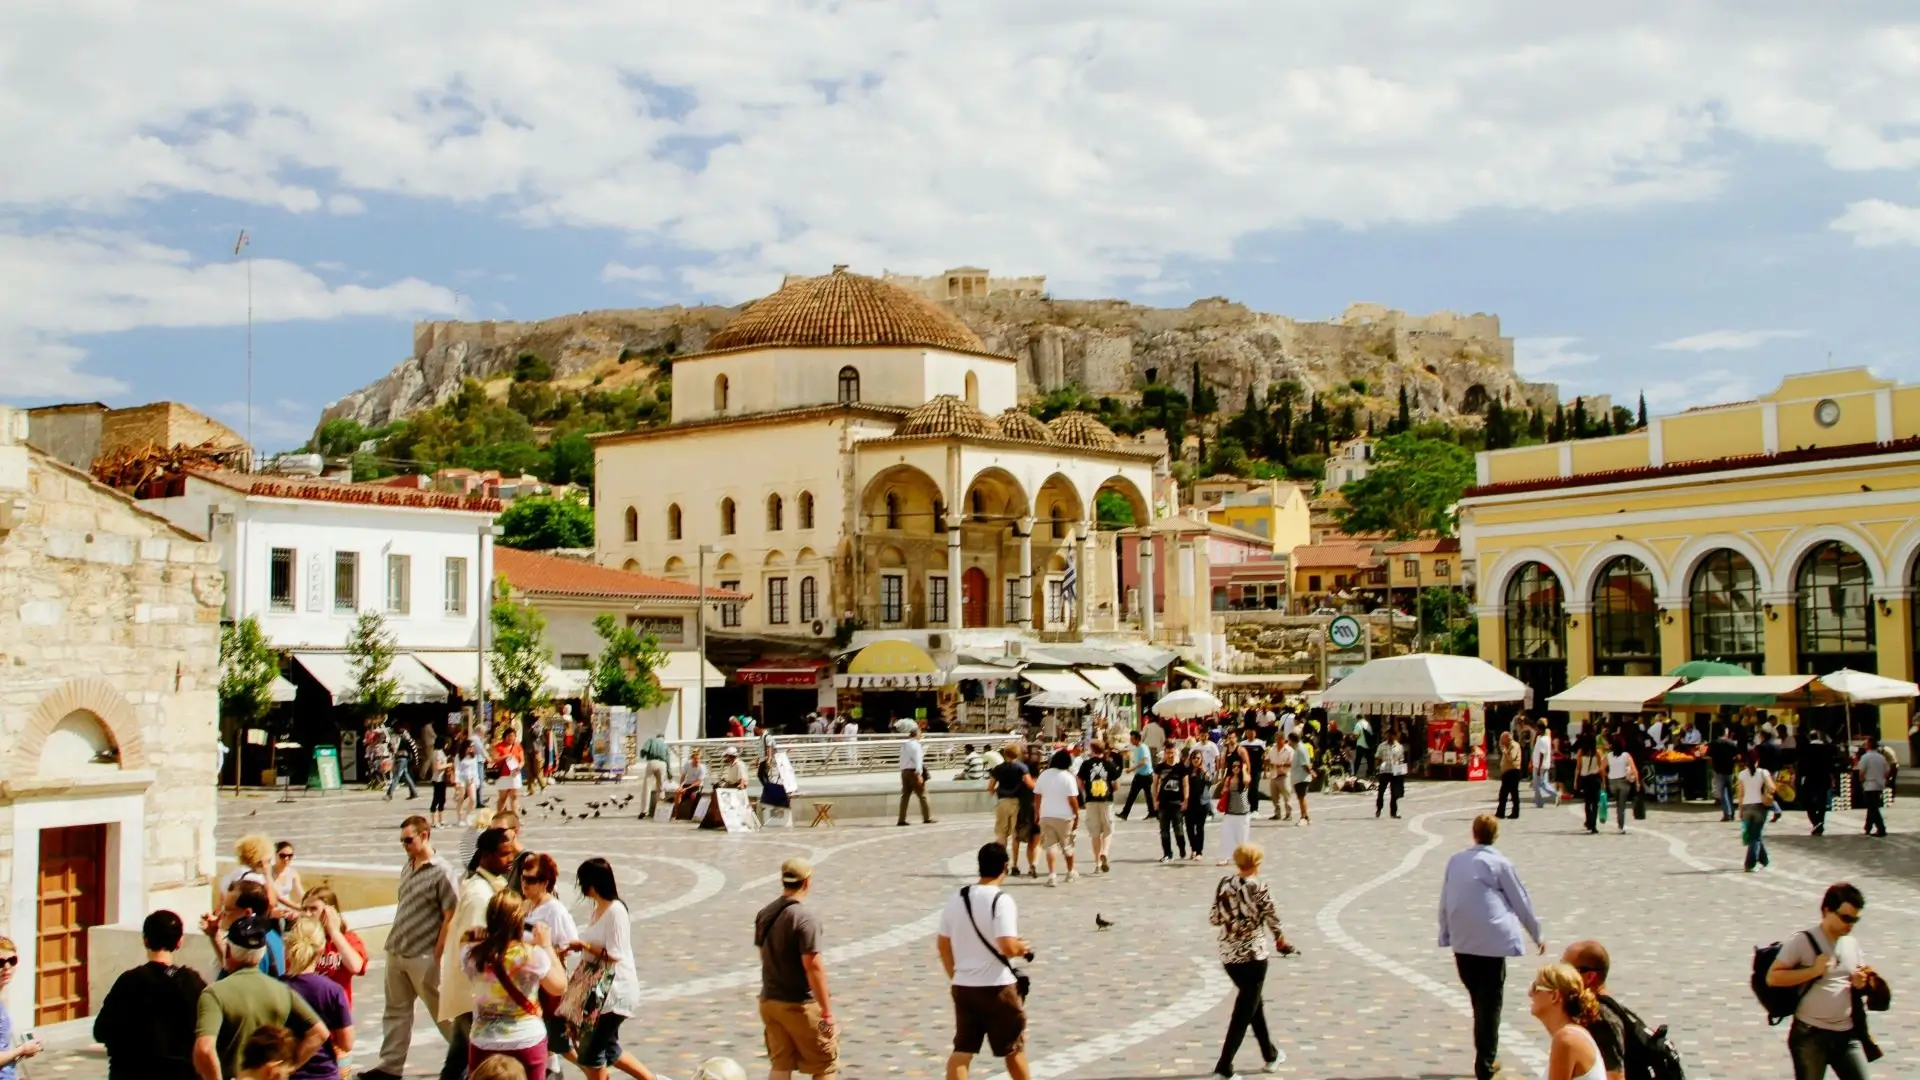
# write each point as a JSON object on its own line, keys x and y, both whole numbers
{"x": 700, "y": 639}
{"x": 487, "y": 533}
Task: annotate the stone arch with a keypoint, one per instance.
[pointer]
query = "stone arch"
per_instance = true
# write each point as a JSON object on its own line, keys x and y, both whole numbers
{"x": 1906, "y": 550}
{"x": 775, "y": 558}
{"x": 96, "y": 698}
{"x": 1126, "y": 489}
{"x": 1582, "y": 584}
{"x": 1796, "y": 548}
{"x": 1058, "y": 503}
{"x": 721, "y": 391}
{"x": 1493, "y": 585}
{"x": 632, "y": 522}
{"x": 1687, "y": 563}
{"x": 805, "y": 556}
{"x": 994, "y": 497}
{"x": 889, "y": 557}
{"x": 973, "y": 389}
{"x": 632, "y": 566}
{"x": 676, "y": 566}
{"x": 726, "y": 561}
{"x": 900, "y": 499}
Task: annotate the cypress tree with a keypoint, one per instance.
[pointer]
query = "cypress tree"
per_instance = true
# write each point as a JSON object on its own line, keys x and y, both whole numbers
{"x": 1643, "y": 409}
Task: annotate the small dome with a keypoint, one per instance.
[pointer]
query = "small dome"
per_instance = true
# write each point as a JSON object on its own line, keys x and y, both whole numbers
{"x": 842, "y": 309}
{"x": 1081, "y": 429}
{"x": 1018, "y": 423}
{"x": 947, "y": 415}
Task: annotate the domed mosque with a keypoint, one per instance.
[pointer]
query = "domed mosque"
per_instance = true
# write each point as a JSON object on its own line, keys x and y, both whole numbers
{"x": 853, "y": 456}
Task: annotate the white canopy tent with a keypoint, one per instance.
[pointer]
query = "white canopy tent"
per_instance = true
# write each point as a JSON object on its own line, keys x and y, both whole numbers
{"x": 1614, "y": 693}
{"x": 334, "y": 671}
{"x": 1866, "y": 688}
{"x": 1423, "y": 679}
{"x": 1187, "y": 705}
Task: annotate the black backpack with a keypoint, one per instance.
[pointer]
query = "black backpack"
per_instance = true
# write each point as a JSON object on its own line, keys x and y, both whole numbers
{"x": 1780, "y": 1001}
{"x": 1647, "y": 1054}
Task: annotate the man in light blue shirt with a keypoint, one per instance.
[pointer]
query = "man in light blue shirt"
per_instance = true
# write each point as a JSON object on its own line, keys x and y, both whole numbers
{"x": 1140, "y": 767}
{"x": 1483, "y": 909}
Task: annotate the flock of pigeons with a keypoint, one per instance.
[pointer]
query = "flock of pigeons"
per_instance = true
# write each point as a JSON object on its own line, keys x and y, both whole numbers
{"x": 552, "y": 803}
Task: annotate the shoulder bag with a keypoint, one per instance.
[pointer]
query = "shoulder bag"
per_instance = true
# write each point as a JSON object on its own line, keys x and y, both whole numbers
{"x": 1020, "y": 980}
{"x": 586, "y": 995}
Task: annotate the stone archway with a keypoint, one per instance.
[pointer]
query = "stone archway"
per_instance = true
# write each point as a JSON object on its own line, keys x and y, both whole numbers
{"x": 96, "y": 697}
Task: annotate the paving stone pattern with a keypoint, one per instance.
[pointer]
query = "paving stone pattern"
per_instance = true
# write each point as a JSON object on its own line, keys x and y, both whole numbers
{"x": 1369, "y": 997}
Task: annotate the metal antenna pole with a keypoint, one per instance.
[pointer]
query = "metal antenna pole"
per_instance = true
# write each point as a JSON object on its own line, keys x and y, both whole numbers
{"x": 240, "y": 245}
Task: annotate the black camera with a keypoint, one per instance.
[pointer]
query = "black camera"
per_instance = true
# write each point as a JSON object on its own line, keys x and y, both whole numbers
{"x": 1027, "y": 956}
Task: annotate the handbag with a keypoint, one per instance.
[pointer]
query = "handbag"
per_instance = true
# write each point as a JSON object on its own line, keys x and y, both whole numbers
{"x": 1639, "y": 803}
{"x": 1020, "y": 980}
{"x": 586, "y": 995}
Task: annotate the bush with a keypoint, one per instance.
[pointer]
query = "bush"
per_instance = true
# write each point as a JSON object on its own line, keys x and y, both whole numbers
{"x": 532, "y": 367}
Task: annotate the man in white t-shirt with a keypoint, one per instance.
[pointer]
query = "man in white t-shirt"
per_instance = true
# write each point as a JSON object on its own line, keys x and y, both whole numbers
{"x": 1543, "y": 766}
{"x": 1057, "y": 807}
{"x": 1826, "y": 962}
{"x": 913, "y": 775}
{"x": 978, "y": 937}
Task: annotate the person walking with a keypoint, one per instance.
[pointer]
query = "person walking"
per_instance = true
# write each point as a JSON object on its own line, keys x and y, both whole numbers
{"x": 1623, "y": 776}
{"x": 245, "y": 999}
{"x": 306, "y": 940}
{"x": 1280, "y": 773}
{"x": 1057, "y": 804}
{"x": 1199, "y": 804}
{"x": 1542, "y": 762}
{"x": 796, "y": 1010}
{"x": 1560, "y": 1000}
{"x": 979, "y": 933}
{"x": 607, "y": 939}
{"x": 509, "y": 961}
{"x": 466, "y": 781}
{"x": 1587, "y": 778}
{"x": 1755, "y": 791}
{"x": 1365, "y": 751}
{"x": 403, "y": 748}
{"x": 494, "y": 855}
{"x": 1300, "y": 773}
{"x": 1140, "y": 767}
{"x": 1392, "y": 773}
{"x": 1236, "y": 826}
{"x": 1510, "y": 774}
{"x": 510, "y": 758}
{"x": 1172, "y": 788}
{"x": 1723, "y": 754}
{"x": 1010, "y": 781}
{"x": 1874, "y": 772}
{"x": 1254, "y": 749}
{"x": 913, "y": 775}
{"x": 1097, "y": 776}
{"x": 1243, "y": 910}
{"x": 1483, "y": 910}
{"x": 656, "y": 758}
{"x": 1813, "y": 777}
{"x": 1609, "y": 1029}
{"x": 424, "y": 907}
{"x": 1826, "y": 961}
{"x": 440, "y": 772}
{"x": 147, "y": 1020}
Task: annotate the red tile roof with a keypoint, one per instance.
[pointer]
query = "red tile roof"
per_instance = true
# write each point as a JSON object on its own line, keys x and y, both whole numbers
{"x": 281, "y": 487}
{"x": 1432, "y": 545}
{"x": 1332, "y": 556}
{"x": 551, "y": 575}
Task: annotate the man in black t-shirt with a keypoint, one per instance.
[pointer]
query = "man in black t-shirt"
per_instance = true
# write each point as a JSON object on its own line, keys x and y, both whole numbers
{"x": 1098, "y": 774}
{"x": 147, "y": 1021}
{"x": 1724, "y": 754}
{"x": 1609, "y": 1029}
{"x": 1010, "y": 781}
{"x": 1256, "y": 750}
{"x": 1170, "y": 794}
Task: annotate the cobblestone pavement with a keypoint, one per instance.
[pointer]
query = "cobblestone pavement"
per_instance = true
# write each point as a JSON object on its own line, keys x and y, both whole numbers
{"x": 1370, "y": 996}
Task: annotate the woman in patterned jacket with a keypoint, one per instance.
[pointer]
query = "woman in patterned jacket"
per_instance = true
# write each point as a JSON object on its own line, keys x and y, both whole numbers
{"x": 1243, "y": 910}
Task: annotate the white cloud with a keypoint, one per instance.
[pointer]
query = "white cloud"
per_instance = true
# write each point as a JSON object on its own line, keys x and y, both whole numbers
{"x": 345, "y": 204}
{"x": 68, "y": 284}
{"x": 1538, "y": 356}
{"x": 277, "y": 425}
{"x": 1879, "y": 223}
{"x": 1716, "y": 387}
{"x": 614, "y": 272}
{"x": 1092, "y": 140}
{"x": 1728, "y": 340}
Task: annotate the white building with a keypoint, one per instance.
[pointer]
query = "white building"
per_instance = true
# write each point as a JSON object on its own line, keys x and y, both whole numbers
{"x": 1350, "y": 461}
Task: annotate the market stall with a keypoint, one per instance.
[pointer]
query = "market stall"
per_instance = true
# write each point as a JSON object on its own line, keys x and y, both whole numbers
{"x": 1448, "y": 693}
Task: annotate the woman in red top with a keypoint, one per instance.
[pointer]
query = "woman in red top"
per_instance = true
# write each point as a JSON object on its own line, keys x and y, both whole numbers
{"x": 345, "y": 955}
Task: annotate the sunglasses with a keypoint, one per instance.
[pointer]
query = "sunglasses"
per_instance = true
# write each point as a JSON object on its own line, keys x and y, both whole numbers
{"x": 8, "y": 961}
{"x": 286, "y": 854}
{"x": 1846, "y": 918}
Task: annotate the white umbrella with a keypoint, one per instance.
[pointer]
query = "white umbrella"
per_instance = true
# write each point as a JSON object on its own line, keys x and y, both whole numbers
{"x": 1187, "y": 704}
{"x": 1866, "y": 688}
{"x": 1055, "y": 699}
{"x": 1426, "y": 679}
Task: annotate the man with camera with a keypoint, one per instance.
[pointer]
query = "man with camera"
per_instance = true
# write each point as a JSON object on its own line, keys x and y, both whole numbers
{"x": 979, "y": 935}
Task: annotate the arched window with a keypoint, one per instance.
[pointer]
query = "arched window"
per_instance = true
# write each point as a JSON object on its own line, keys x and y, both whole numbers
{"x": 893, "y": 510}
{"x": 1536, "y": 630}
{"x": 633, "y": 524}
{"x": 673, "y": 521}
{"x": 973, "y": 389}
{"x": 979, "y": 506}
{"x": 726, "y": 517}
{"x": 1834, "y": 612}
{"x": 809, "y": 599}
{"x": 1626, "y": 620}
{"x": 720, "y": 393}
{"x": 1723, "y": 606}
{"x": 806, "y": 509}
{"x": 849, "y": 385}
{"x": 939, "y": 515}
{"x": 776, "y": 513}
{"x": 1059, "y": 521}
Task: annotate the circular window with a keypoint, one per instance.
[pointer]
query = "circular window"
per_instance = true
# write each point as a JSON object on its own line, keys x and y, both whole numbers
{"x": 1827, "y": 413}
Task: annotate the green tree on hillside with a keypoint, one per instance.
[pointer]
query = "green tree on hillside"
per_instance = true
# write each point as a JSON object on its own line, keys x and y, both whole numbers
{"x": 1411, "y": 489}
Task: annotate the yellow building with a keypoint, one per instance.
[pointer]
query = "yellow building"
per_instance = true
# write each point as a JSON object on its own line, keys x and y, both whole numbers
{"x": 1780, "y": 534}
{"x": 1424, "y": 564}
{"x": 1274, "y": 509}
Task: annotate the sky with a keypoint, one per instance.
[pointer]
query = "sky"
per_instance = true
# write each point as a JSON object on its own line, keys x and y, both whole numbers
{"x": 1682, "y": 200}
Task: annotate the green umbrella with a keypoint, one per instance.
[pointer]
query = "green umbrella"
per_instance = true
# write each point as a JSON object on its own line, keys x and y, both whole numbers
{"x": 1700, "y": 669}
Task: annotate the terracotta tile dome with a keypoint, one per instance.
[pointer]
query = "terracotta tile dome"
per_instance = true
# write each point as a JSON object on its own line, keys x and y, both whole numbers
{"x": 843, "y": 309}
{"x": 1018, "y": 423}
{"x": 1081, "y": 429}
{"x": 947, "y": 415}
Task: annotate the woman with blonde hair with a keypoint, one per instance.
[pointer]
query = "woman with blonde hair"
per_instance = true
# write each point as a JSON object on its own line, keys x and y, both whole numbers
{"x": 1560, "y": 1000}
{"x": 507, "y": 967}
{"x": 305, "y": 943}
{"x": 1243, "y": 910}
{"x": 255, "y": 857}
{"x": 345, "y": 955}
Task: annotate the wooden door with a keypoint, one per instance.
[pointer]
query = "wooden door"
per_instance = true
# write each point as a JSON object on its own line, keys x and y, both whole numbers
{"x": 973, "y": 597}
{"x": 72, "y": 898}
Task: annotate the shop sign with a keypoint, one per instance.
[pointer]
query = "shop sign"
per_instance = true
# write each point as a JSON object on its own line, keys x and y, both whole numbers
{"x": 669, "y": 629}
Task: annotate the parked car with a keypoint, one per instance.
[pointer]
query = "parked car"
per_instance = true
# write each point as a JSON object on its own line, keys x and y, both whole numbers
{"x": 1325, "y": 611}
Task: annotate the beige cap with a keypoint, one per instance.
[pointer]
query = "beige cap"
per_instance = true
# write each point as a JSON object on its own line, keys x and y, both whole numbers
{"x": 795, "y": 871}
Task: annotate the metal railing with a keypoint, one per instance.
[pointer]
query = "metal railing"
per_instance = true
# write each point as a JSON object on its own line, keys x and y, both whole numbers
{"x": 821, "y": 755}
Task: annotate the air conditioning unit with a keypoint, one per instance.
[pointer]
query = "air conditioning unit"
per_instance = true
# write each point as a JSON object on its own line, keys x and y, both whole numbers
{"x": 819, "y": 627}
{"x": 1016, "y": 649}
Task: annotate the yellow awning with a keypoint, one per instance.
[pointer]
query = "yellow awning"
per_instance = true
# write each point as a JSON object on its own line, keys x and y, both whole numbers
{"x": 892, "y": 658}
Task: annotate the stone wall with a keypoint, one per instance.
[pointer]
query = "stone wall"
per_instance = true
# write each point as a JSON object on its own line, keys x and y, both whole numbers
{"x": 108, "y": 610}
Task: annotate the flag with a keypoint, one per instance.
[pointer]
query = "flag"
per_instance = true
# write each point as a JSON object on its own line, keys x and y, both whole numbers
{"x": 1069, "y": 582}
{"x": 241, "y": 241}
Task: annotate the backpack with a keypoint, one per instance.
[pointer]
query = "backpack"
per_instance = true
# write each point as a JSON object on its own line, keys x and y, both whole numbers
{"x": 1780, "y": 1001}
{"x": 1647, "y": 1054}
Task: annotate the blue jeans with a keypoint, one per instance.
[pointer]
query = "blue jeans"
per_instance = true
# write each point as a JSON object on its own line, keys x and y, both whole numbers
{"x": 1817, "y": 1049}
{"x": 1723, "y": 791}
{"x": 1620, "y": 793}
{"x": 402, "y": 770}
{"x": 1543, "y": 787}
{"x": 1754, "y": 818}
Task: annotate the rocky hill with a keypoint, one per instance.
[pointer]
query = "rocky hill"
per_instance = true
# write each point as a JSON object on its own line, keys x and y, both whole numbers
{"x": 1450, "y": 364}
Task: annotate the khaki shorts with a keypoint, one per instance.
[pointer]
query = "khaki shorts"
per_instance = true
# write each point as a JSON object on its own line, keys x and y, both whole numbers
{"x": 1099, "y": 819}
{"x": 1006, "y": 819}
{"x": 794, "y": 1040}
{"x": 991, "y": 1014}
{"x": 1056, "y": 832}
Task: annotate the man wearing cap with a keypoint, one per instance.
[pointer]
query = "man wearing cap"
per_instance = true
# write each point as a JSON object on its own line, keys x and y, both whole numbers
{"x": 733, "y": 774}
{"x": 493, "y": 856}
{"x": 243, "y": 1002}
{"x": 913, "y": 774}
{"x": 794, "y": 1006}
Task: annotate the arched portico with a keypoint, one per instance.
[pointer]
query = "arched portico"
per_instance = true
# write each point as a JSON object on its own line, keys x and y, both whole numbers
{"x": 94, "y": 698}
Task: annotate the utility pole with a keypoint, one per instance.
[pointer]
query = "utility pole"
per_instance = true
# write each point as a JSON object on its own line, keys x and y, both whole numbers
{"x": 240, "y": 245}
{"x": 700, "y": 639}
